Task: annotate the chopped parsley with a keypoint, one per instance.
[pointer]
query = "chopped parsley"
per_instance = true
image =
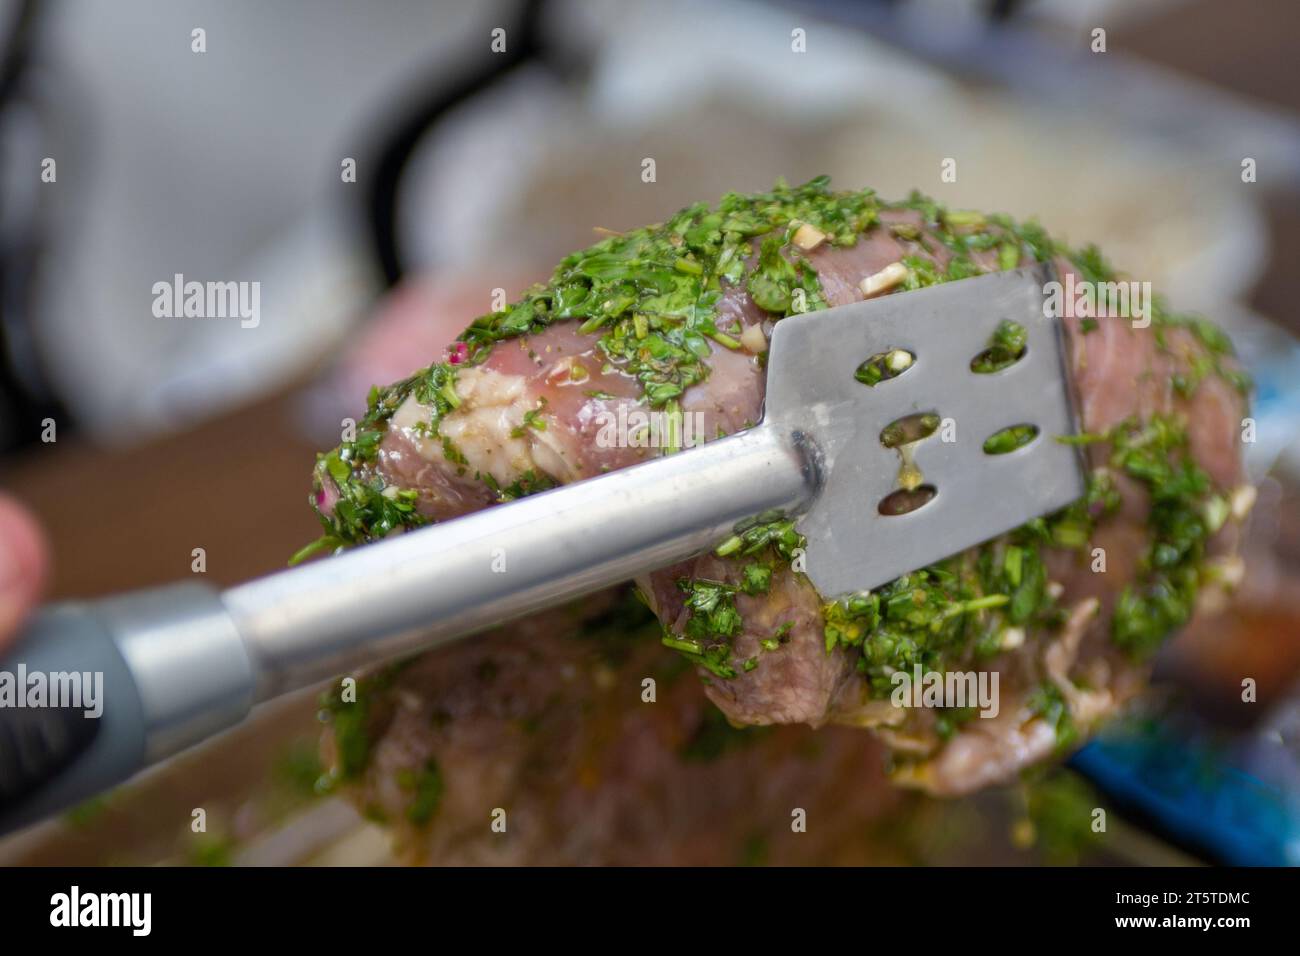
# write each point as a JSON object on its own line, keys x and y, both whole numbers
{"x": 1005, "y": 348}
{"x": 1050, "y": 704}
{"x": 1181, "y": 521}
{"x": 1009, "y": 439}
{"x": 651, "y": 294}
{"x": 532, "y": 420}
{"x": 765, "y": 543}
{"x": 651, "y": 297}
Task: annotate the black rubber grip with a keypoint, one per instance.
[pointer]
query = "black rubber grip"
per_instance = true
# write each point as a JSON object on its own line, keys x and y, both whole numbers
{"x": 52, "y": 757}
{"x": 37, "y": 743}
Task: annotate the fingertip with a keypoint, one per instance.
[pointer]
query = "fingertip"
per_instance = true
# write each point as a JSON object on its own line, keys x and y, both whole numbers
{"x": 24, "y": 555}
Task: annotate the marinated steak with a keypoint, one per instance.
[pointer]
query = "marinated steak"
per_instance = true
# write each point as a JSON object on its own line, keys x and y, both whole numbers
{"x": 673, "y": 321}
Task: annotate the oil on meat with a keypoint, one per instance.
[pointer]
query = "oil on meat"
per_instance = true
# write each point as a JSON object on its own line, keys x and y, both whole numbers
{"x": 673, "y": 321}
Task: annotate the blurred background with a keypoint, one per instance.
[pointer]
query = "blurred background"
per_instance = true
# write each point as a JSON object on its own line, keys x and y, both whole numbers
{"x": 477, "y": 169}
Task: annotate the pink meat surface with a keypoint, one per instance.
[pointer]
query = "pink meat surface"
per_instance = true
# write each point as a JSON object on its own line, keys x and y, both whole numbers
{"x": 560, "y": 375}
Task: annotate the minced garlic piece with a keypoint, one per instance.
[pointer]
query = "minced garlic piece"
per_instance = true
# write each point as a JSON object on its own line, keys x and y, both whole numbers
{"x": 1229, "y": 570}
{"x": 885, "y": 279}
{"x": 1242, "y": 500}
{"x": 753, "y": 338}
{"x": 899, "y": 360}
{"x": 808, "y": 237}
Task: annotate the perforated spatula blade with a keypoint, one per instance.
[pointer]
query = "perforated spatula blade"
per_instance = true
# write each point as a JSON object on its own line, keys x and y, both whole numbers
{"x": 929, "y": 342}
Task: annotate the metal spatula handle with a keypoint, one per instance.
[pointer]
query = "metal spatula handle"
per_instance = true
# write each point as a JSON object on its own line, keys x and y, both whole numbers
{"x": 429, "y": 586}
{"x": 180, "y": 663}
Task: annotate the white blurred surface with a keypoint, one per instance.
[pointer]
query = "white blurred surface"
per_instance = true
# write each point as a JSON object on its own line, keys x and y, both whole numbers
{"x": 225, "y": 166}
{"x": 172, "y": 161}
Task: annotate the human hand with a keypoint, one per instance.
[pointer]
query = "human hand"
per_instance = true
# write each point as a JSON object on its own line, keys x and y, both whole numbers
{"x": 24, "y": 567}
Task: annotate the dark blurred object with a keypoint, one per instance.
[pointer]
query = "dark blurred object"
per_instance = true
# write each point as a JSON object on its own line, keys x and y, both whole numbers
{"x": 427, "y": 105}
{"x": 1003, "y": 9}
{"x": 27, "y": 398}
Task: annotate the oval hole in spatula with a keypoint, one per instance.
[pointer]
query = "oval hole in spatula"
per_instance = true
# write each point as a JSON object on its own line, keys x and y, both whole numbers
{"x": 909, "y": 428}
{"x": 1007, "y": 440}
{"x": 904, "y": 501}
{"x": 883, "y": 366}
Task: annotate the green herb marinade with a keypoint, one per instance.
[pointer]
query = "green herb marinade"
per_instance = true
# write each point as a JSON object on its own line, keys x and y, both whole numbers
{"x": 652, "y": 293}
{"x": 760, "y": 546}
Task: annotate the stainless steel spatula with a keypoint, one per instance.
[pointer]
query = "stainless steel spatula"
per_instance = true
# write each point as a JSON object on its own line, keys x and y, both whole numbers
{"x": 183, "y": 662}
